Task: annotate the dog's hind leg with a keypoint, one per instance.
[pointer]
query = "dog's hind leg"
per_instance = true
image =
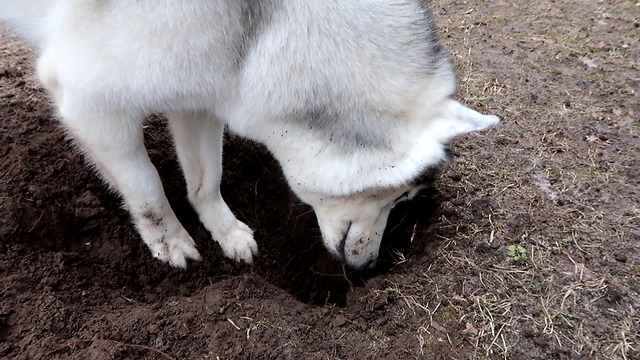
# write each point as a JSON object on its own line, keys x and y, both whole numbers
{"x": 198, "y": 137}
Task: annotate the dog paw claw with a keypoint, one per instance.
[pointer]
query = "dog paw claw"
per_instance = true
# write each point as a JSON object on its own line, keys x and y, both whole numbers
{"x": 238, "y": 243}
{"x": 176, "y": 250}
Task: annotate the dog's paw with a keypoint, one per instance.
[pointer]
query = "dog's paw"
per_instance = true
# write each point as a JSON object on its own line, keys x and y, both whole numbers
{"x": 175, "y": 249}
{"x": 238, "y": 243}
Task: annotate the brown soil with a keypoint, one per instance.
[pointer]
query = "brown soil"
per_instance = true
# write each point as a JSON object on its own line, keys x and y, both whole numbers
{"x": 559, "y": 177}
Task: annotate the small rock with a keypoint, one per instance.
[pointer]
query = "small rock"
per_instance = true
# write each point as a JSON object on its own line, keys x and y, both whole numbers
{"x": 484, "y": 246}
{"x": 620, "y": 256}
{"x": 339, "y": 321}
{"x": 152, "y": 329}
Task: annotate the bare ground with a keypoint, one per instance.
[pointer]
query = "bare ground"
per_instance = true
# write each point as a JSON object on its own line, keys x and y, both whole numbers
{"x": 559, "y": 177}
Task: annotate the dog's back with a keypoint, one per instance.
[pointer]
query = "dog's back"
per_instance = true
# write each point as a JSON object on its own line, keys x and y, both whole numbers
{"x": 310, "y": 56}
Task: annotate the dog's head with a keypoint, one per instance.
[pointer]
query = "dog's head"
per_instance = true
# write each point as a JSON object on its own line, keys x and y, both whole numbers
{"x": 352, "y": 225}
{"x": 352, "y": 193}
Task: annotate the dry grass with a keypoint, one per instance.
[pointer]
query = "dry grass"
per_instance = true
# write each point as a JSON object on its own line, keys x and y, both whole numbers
{"x": 559, "y": 179}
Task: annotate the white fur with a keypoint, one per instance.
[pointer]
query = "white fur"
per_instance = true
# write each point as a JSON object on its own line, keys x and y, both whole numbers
{"x": 109, "y": 63}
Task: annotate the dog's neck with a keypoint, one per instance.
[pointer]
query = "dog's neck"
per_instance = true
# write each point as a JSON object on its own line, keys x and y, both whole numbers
{"x": 337, "y": 164}
{"x": 317, "y": 165}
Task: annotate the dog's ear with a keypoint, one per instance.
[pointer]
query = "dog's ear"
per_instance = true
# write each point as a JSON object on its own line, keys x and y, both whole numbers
{"x": 457, "y": 119}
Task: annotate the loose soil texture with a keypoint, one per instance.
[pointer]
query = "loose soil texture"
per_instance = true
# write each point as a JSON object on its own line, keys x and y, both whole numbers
{"x": 526, "y": 247}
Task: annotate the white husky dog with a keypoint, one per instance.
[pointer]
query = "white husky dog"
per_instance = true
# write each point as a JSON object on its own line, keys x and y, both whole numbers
{"x": 353, "y": 98}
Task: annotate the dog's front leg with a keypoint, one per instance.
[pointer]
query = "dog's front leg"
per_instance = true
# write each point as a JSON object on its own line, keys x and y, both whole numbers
{"x": 114, "y": 142}
{"x": 198, "y": 138}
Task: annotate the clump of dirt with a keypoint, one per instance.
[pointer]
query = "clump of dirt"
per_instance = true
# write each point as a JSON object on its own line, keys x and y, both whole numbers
{"x": 558, "y": 177}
